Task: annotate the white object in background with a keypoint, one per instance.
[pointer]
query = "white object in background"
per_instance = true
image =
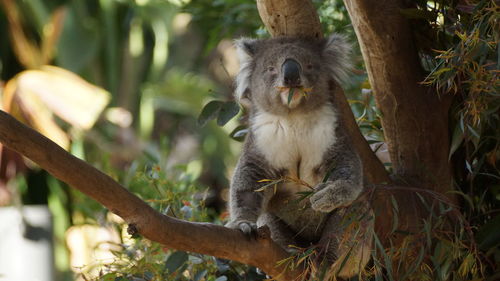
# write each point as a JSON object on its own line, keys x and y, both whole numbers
{"x": 26, "y": 249}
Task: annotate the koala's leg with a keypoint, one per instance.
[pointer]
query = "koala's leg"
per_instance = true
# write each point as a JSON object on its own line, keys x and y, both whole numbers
{"x": 347, "y": 235}
{"x": 280, "y": 231}
{"x": 246, "y": 201}
{"x": 345, "y": 177}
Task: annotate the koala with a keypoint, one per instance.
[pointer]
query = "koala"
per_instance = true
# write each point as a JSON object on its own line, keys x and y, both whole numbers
{"x": 295, "y": 135}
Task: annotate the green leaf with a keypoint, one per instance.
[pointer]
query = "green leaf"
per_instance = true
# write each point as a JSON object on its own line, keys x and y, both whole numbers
{"x": 239, "y": 133}
{"x": 345, "y": 259}
{"x": 290, "y": 95}
{"x": 456, "y": 140}
{"x": 301, "y": 195}
{"x": 387, "y": 259}
{"x": 488, "y": 235}
{"x": 270, "y": 183}
{"x": 209, "y": 112}
{"x": 441, "y": 71}
{"x": 395, "y": 211}
{"x": 329, "y": 172}
{"x": 415, "y": 265}
{"x": 79, "y": 42}
{"x": 228, "y": 110}
{"x": 199, "y": 275}
{"x": 175, "y": 261}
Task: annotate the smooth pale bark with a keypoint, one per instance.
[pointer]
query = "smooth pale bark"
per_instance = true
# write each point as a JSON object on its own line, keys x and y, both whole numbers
{"x": 290, "y": 18}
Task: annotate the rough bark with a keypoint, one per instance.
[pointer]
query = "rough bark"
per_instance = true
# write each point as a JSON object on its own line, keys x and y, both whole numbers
{"x": 415, "y": 119}
{"x": 373, "y": 170}
{"x": 204, "y": 238}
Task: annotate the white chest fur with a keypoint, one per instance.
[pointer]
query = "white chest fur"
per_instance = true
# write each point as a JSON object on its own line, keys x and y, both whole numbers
{"x": 296, "y": 142}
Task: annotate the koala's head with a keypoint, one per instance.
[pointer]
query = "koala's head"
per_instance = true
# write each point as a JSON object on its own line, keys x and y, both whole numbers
{"x": 281, "y": 75}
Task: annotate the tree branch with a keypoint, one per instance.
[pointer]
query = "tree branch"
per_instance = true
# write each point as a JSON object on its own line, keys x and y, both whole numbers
{"x": 204, "y": 238}
{"x": 290, "y": 18}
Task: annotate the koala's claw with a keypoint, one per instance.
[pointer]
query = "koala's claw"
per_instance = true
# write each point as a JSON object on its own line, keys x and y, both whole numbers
{"x": 321, "y": 203}
{"x": 248, "y": 228}
{"x": 332, "y": 195}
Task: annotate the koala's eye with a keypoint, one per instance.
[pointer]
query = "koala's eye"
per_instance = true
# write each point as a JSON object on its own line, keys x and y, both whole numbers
{"x": 270, "y": 69}
{"x": 309, "y": 66}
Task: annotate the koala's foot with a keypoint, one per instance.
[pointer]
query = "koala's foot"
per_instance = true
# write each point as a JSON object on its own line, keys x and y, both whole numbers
{"x": 247, "y": 227}
{"x": 331, "y": 195}
{"x": 261, "y": 272}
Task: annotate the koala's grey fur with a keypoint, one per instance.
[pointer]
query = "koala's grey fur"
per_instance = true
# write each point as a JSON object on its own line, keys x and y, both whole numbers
{"x": 302, "y": 139}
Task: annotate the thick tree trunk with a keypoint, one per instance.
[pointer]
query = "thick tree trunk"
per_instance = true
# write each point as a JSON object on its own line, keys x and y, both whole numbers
{"x": 414, "y": 118}
{"x": 290, "y": 18}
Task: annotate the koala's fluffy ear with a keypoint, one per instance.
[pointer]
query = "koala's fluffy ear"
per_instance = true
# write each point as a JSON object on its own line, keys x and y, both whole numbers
{"x": 246, "y": 49}
{"x": 337, "y": 51}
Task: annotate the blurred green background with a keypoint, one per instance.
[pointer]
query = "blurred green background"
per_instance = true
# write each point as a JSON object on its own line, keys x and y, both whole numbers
{"x": 127, "y": 81}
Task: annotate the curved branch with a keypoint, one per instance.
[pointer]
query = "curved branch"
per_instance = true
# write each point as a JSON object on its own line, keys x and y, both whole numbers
{"x": 204, "y": 238}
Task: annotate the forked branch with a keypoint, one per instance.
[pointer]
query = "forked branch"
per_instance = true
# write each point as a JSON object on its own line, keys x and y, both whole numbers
{"x": 203, "y": 238}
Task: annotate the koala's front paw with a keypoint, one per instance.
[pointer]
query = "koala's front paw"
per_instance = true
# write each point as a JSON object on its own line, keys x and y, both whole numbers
{"x": 331, "y": 195}
{"x": 247, "y": 227}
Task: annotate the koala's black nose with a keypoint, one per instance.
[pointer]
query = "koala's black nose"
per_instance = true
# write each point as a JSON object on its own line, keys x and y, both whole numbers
{"x": 291, "y": 72}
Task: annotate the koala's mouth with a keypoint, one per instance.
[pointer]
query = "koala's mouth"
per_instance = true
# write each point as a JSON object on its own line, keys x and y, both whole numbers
{"x": 292, "y": 96}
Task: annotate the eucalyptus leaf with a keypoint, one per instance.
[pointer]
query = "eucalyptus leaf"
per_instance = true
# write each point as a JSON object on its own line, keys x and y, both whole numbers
{"x": 290, "y": 95}
{"x": 228, "y": 110}
{"x": 456, "y": 140}
{"x": 239, "y": 133}
{"x": 200, "y": 274}
{"x": 489, "y": 234}
{"x": 209, "y": 112}
{"x": 329, "y": 172}
{"x": 79, "y": 42}
{"x": 175, "y": 261}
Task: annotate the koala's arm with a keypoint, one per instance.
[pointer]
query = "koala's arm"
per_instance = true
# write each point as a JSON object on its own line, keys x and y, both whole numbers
{"x": 245, "y": 202}
{"x": 345, "y": 177}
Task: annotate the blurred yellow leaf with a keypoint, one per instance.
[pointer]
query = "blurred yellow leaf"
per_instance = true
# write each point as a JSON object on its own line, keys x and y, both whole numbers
{"x": 51, "y": 32}
{"x": 30, "y": 110}
{"x": 34, "y": 95}
{"x": 70, "y": 97}
{"x": 28, "y": 53}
